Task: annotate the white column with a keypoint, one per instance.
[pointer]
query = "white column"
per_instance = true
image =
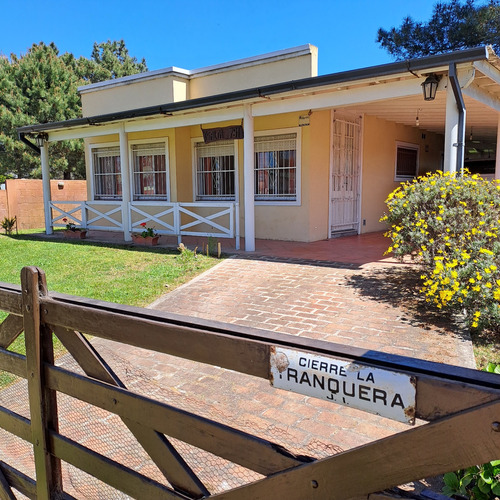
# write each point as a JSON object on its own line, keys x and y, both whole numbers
{"x": 248, "y": 179}
{"x": 450, "y": 131}
{"x": 124, "y": 164}
{"x": 497, "y": 164}
{"x": 44, "y": 157}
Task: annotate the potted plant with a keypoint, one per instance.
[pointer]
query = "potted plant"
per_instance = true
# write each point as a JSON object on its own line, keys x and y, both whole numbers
{"x": 148, "y": 236}
{"x": 72, "y": 231}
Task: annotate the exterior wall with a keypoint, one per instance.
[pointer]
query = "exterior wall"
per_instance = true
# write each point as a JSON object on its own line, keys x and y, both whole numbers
{"x": 23, "y": 198}
{"x": 135, "y": 95}
{"x": 212, "y": 82}
{"x": 379, "y": 160}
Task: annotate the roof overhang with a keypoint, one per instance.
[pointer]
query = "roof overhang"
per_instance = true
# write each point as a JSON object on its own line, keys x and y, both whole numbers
{"x": 366, "y": 88}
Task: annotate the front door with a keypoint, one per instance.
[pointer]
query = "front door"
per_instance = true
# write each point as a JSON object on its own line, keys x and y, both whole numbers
{"x": 345, "y": 176}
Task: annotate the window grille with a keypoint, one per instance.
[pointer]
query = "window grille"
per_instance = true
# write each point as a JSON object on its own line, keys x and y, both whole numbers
{"x": 107, "y": 173}
{"x": 215, "y": 173}
{"x": 406, "y": 162}
{"x": 150, "y": 171}
{"x": 276, "y": 168}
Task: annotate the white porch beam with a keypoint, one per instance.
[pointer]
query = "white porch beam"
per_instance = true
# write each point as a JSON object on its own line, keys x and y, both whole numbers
{"x": 477, "y": 93}
{"x": 497, "y": 164}
{"x": 451, "y": 132}
{"x": 488, "y": 70}
{"x": 44, "y": 157}
{"x": 126, "y": 198}
{"x": 83, "y": 132}
{"x": 248, "y": 179}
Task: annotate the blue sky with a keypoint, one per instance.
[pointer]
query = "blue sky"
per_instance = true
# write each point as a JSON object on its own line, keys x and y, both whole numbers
{"x": 193, "y": 33}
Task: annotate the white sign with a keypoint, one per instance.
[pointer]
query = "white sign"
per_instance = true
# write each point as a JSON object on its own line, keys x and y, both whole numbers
{"x": 383, "y": 392}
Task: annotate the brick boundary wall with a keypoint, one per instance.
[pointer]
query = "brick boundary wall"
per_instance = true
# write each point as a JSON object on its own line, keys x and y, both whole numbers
{"x": 23, "y": 198}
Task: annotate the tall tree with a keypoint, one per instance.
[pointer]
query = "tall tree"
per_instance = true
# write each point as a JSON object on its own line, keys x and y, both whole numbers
{"x": 453, "y": 26}
{"x": 40, "y": 87}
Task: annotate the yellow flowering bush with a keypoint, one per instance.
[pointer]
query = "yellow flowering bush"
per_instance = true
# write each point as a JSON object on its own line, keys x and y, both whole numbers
{"x": 451, "y": 223}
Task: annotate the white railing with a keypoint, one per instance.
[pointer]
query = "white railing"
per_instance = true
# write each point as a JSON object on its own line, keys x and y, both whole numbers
{"x": 210, "y": 219}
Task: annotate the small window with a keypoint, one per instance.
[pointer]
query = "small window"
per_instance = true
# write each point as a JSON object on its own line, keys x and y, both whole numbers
{"x": 150, "y": 171}
{"x": 215, "y": 171}
{"x": 107, "y": 173}
{"x": 276, "y": 168}
{"x": 406, "y": 161}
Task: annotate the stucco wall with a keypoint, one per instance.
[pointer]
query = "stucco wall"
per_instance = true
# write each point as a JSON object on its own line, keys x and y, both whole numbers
{"x": 23, "y": 198}
{"x": 379, "y": 160}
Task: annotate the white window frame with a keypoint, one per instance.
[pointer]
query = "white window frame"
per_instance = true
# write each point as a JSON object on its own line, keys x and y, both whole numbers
{"x": 131, "y": 172}
{"x": 406, "y": 145}
{"x": 194, "y": 142}
{"x": 92, "y": 148}
{"x": 298, "y": 169}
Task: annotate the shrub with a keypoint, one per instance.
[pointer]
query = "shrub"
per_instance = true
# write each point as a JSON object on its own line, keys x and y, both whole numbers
{"x": 8, "y": 224}
{"x": 451, "y": 224}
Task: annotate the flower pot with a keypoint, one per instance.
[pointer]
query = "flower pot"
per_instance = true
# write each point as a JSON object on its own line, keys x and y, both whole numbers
{"x": 78, "y": 234}
{"x": 148, "y": 241}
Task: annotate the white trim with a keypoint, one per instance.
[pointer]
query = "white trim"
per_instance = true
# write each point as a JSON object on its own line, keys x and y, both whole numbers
{"x": 407, "y": 145}
{"x": 361, "y": 156}
{"x": 150, "y": 140}
{"x": 298, "y": 169}
{"x": 90, "y": 148}
{"x": 194, "y": 141}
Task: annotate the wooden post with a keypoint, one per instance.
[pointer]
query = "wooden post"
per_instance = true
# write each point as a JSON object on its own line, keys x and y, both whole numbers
{"x": 43, "y": 404}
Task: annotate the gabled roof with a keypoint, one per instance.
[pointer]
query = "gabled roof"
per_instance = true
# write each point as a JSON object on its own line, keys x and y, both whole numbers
{"x": 394, "y": 70}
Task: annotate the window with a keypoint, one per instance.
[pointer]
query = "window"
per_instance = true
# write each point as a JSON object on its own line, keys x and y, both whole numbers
{"x": 406, "y": 161}
{"x": 276, "y": 168}
{"x": 107, "y": 173}
{"x": 215, "y": 171}
{"x": 150, "y": 171}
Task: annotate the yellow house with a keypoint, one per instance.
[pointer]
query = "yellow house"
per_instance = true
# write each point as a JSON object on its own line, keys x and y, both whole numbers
{"x": 263, "y": 147}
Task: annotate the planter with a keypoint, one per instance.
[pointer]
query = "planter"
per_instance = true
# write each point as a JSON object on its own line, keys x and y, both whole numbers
{"x": 148, "y": 241}
{"x": 79, "y": 234}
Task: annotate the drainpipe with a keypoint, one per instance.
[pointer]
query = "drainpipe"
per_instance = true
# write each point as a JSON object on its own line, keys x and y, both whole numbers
{"x": 457, "y": 92}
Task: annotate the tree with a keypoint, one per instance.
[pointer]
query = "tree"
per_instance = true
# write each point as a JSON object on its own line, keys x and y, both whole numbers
{"x": 453, "y": 26}
{"x": 40, "y": 87}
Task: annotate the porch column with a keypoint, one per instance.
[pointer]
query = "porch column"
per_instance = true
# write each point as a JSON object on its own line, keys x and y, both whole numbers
{"x": 44, "y": 157}
{"x": 497, "y": 164}
{"x": 450, "y": 131}
{"x": 248, "y": 178}
{"x": 124, "y": 166}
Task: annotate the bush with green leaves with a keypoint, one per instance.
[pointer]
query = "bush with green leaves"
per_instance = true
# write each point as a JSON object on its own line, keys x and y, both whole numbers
{"x": 450, "y": 223}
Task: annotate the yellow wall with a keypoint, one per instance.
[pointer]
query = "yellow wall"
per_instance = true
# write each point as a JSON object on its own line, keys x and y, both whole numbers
{"x": 379, "y": 160}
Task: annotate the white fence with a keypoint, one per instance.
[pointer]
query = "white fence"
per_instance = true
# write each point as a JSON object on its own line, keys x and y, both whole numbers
{"x": 217, "y": 219}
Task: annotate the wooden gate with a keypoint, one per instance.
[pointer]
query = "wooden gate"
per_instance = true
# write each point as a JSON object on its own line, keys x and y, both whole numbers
{"x": 461, "y": 406}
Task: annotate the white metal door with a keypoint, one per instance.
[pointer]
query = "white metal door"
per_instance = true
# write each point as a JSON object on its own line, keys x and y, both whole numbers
{"x": 345, "y": 176}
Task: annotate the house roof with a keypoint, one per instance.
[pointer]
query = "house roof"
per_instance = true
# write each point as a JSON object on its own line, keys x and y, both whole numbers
{"x": 364, "y": 76}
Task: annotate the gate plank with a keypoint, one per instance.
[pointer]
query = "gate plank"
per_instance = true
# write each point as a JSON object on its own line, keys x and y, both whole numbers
{"x": 450, "y": 444}
{"x": 161, "y": 451}
{"x": 239, "y": 447}
{"x": 5, "y": 489}
{"x": 10, "y": 329}
{"x": 11, "y": 299}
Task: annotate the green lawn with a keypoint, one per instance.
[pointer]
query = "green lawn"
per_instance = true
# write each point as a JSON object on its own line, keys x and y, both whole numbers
{"x": 114, "y": 273}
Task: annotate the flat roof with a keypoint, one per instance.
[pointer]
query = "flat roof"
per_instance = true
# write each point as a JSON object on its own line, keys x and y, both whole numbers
{"x": 379, "y": 71}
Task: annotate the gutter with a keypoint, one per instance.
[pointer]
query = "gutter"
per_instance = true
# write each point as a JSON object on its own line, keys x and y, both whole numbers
{"x": 452, "y": 77}
{"x": 384, "y": 70}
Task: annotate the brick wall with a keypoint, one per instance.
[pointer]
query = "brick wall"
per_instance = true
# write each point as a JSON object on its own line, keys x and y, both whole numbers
{"x": 23, "y": 198}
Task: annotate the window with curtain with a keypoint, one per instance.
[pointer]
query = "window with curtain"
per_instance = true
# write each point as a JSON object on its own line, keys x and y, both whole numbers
{"x": 406, "y": 161}
{"x": 107, "y": 173}
{"x": 150, "y": 171}
{"x": 276, "y": 167}
{"x": 215, "y": 171}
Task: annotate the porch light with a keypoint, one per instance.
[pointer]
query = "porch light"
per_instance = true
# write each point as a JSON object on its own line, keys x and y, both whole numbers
{"x": 40, "y": 139}
{"x": 429, "y": 87}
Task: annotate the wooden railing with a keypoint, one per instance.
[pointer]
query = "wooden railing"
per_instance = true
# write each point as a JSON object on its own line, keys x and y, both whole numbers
{"x": 461, "y": 406}
{"x": 215, "y": 219}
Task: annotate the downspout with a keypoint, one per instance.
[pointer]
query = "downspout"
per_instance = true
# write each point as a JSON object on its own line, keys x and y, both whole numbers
{"x": 22, "y": 138}
{"x": 457, "y": 92}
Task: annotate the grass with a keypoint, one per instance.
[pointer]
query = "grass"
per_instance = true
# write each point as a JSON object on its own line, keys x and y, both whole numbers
{"x": 114, "y": 273}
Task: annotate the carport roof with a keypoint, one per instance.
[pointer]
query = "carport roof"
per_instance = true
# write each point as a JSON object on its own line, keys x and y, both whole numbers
{"x": 307, "y": 85}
